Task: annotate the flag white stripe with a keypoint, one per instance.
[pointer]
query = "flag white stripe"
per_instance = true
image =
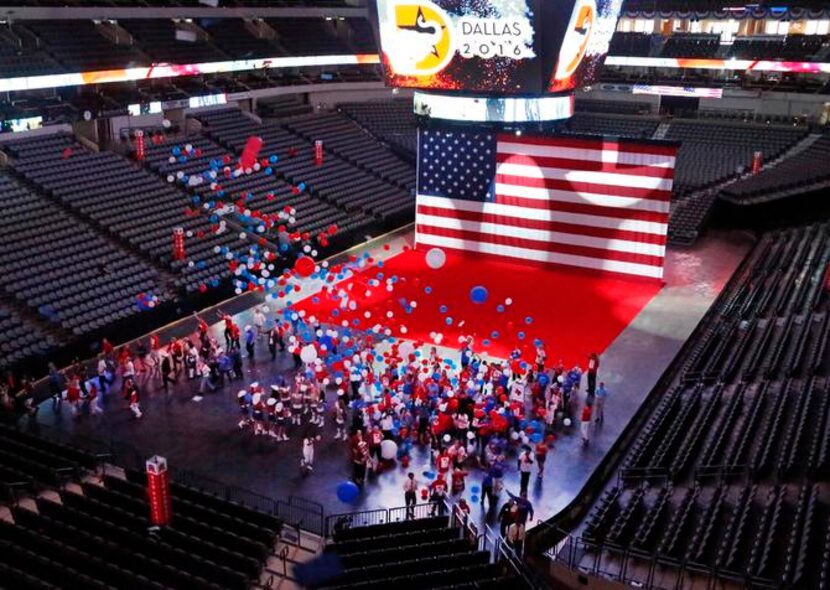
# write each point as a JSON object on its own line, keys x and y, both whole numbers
{"x": 553, "y": 237}
{"x": 604, "y": 178}
{"x": 648, "y": 227}
{"x": 632, "y": 268}
{"x": 549, "y": 194}
{"x": 573, "y": 153}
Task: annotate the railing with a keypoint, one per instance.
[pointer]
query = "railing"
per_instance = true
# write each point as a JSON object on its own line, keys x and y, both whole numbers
{"x": 615, "y": 563}
{"x": 294, "y": 511}
{"x": 348, "y": 520}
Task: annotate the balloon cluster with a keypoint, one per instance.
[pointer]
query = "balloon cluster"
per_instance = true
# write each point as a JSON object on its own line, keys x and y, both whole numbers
{"x": 146, "y": 301}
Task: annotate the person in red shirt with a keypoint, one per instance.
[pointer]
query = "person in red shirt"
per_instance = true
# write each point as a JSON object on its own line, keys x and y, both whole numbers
{"x": 438, "y": 495}
{"x": 443, "y": 462}
{"x": 73, "y": 394}
{"x": 585, "y": 423}
{"x": 458, "y": 477}
{"x": 375, "y": 438}
{"x": 541, "y": 452}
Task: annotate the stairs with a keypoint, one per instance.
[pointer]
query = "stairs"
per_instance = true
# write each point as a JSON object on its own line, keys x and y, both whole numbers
{"x": 295, "y": 546}
{"x": 661, "y": 131}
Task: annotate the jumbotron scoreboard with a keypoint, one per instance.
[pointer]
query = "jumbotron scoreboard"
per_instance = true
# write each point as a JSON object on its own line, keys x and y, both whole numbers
{"x": 493, "y": 60}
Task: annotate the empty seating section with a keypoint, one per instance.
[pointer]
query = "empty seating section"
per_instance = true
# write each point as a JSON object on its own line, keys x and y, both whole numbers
{"x": 132, "y": 204}
{"x": 808, "y": 170}
{"x": 81, "y": 46}
{"x": 311, "y": 36}
{"x": 631, "y": 44}
{"x": 712, "y": 152}
{"x": 20, "y": 338}
{"x": 157, "y": 37}
{"x": 233, "y": 37}
{"x": 362, "y": 36}
{"x": 728, "y": 476}
{"x": 691, "y": 45}
{"x": 60, "y": 267}
{"x": 96, "y": 534}
{"x": 791, "y": 47}
{"x": 617, "y": 126}
{"x": 349, "y": 141}
{"x": 268, "y": 193}
{"x": 415, "y": 554}
{"x": 392, "y": 121}
{"x": 360, "y": 197}
{"x": 19, "y": 55}
{"x": 618, "y": 107}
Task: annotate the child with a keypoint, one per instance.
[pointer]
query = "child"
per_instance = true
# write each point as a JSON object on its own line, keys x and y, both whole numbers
{"x": 242, "y": 399}
{"x": 134, "y": 399}
{"x": 458, "y": 476}
{"x": 340, "y": 421}
{"x": 281, "y": 411}
{"x": 307, "y": 462}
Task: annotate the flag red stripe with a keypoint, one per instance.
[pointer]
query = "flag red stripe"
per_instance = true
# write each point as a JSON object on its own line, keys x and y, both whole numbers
{"x": 538, "y": 224}
{"x": 585, "y": 209}
{"x": 542, "y": 246}
{"x": 592, "y": 144}
{"x": 586, "y": 187}
{"x": 586, "y": 165}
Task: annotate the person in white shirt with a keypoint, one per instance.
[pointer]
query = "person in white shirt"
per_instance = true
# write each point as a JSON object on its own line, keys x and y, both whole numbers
{"x": 307, "y": 462}
{"x": 259, "y": 321}
{"x": 525, "y": 467}
{"x": 103, "y": 378}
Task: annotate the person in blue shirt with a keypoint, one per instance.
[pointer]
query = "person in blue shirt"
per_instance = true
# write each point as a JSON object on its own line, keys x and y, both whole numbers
{"x": 601, "y": 394}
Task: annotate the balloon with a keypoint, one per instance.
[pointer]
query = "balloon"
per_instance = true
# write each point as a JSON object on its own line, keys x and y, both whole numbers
{"x": 479, "y": 294}
{"x": 348, "y": 492}
{"x": 250, "y": 152}
{"x": 471, "y": 435}
{"x": 436, "y": 258}
{"x": 308, "y": 353}
{"x": 405, "y": 349}
{"x": 567, "y": 421}
{"x": 447, "y": 438}
{"x": 388, "y": 449}
{"x": 474, "y": 499}
{"x": 304, "y": 266}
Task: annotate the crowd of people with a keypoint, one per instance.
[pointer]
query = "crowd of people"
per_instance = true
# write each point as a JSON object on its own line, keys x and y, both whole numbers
{"x": 473, "y": 414}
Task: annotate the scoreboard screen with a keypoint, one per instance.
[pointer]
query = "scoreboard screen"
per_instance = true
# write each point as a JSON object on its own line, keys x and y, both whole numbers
{"x": 494, "y": 47}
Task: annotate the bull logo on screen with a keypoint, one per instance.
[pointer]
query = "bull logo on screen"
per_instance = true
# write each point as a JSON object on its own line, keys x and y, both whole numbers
{"x": 422, "y": 40}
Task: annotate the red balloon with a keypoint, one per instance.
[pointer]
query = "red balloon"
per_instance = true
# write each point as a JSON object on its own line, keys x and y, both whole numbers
{"x": 250, "y": 152}
{"x": 304, "y": 266}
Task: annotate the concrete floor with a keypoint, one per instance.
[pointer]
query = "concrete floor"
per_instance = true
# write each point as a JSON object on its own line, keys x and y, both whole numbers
{"x": 203, "y": 436}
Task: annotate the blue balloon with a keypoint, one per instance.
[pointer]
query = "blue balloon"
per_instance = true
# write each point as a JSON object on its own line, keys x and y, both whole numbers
{"x": 528, "y": 320}
{"x": 494, "y": 334}
{"x": 474, "y": 499}
{"x": 500, "y": 308}
{"x": 348, "y": 492}
{"x": 478, "y": 294}
{"x": 449, "y": 321}
{"x": 427, "y": 290}
{"x": 443, "y": 309}
{"x": 474, "y": 490}
{"x": 521, "y": 335}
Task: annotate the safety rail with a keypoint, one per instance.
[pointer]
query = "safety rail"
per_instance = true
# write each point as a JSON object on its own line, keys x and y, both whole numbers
{"x": 585, "y": 557}
{"x": 294, "y": 511}
{"x": 348, "y": 520}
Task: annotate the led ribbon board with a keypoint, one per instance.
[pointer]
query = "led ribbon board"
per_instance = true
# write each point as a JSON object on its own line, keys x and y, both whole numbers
{"x": 157, "y": 71}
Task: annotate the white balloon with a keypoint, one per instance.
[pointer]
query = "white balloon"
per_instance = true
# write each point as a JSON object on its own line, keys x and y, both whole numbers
{"x": 436, "y": 258}
{"x": 308, "y": 354}
{"x": 567, "y": 421}
{"x": 388, "y": 449}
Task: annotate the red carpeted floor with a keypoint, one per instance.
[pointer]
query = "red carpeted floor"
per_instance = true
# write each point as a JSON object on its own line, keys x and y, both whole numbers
{"x": 573, "y": 312}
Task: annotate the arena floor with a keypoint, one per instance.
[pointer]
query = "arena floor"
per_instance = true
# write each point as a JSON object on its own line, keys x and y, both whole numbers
{"x": 638, "y": 330}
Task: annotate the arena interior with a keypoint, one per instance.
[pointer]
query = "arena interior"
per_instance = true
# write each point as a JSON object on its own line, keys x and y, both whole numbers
{"x": 414, "y": 294}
